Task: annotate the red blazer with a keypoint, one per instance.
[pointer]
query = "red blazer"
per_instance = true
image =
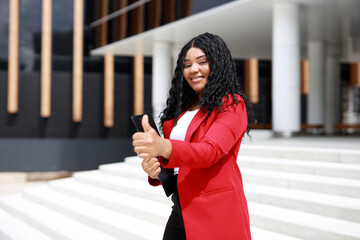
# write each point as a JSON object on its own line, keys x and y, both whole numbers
{"x": 210, "y": 185}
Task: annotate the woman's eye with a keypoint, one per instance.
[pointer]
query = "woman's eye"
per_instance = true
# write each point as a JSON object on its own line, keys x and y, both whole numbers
{"x": 187, "y": 66}
{"x": 203, "y": 62}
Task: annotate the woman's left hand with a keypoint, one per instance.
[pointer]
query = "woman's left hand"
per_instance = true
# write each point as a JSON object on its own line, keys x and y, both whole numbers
{"x": 151, "y": 167}
{"x": 149, "y": 144}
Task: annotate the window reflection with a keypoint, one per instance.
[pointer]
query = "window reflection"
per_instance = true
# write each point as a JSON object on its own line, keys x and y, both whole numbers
{"x": 62, "y": 36}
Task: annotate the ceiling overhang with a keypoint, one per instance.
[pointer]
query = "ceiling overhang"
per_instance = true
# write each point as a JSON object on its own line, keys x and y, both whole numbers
{"x": 245, "y": 25}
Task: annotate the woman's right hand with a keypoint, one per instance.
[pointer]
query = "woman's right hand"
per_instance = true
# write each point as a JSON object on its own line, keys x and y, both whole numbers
{"x": 152, "y": 167}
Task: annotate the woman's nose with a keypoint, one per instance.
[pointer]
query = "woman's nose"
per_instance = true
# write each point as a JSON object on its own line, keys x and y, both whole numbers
{"x": 194, "y": 68}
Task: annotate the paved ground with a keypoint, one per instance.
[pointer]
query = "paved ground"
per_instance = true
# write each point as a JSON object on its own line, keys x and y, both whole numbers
{"x": 16, "y": 187}
{"x": 14, "y": 182}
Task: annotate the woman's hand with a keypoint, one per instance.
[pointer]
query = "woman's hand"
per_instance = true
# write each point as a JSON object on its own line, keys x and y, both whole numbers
{"x": 149, "y": 144}
{"x": 152, "y": 167}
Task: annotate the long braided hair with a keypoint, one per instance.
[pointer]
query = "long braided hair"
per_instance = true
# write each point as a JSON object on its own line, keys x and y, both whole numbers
{"x": 221, "y": 82}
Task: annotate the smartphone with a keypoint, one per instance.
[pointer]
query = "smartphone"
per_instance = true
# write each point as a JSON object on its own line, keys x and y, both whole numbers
{"x": 166, "y": 175}
{"x": 137, "y": 122}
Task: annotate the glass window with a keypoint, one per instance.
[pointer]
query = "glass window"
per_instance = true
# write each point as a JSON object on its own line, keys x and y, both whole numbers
{"x": 4, "y": 33}
{"x": 30, "y": 34}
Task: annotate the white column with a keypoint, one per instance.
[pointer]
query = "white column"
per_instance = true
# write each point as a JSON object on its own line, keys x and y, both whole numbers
{"x": 161, "y": 76}
{"x": 331, "y": 86}
{"x": 332, "y": 69}
{"x": 316, "y": 55}
{"x": 316, "y": 97}
{"x": 175, "y": 54}
{"x": 286, "y": 69}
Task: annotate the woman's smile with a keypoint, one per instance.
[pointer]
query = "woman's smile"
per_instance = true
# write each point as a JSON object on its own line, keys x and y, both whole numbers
{"x": 197, "y": 78}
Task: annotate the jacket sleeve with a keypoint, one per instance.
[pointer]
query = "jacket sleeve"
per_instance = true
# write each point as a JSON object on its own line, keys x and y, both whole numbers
{"x": 228, "y": 127}
{"x": 153, "y": 182}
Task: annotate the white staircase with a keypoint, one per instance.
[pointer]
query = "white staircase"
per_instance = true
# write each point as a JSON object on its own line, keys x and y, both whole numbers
{"x": 293, "y": 193}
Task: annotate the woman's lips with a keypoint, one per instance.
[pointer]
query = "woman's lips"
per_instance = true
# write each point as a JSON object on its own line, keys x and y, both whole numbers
{"x": 197, "y": 79}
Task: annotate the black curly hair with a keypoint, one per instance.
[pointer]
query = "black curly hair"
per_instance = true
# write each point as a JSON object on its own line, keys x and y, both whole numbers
{"x": 221, "y": 82}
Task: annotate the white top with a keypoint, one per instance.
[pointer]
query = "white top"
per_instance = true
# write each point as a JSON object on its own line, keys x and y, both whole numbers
{"x": 179, "y": 131}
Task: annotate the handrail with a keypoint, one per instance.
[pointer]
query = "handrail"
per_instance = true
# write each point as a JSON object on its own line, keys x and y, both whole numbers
{"x": 118, "y": 12}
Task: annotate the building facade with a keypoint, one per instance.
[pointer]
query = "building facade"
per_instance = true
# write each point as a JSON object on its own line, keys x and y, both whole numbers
{"x": 73, "y": 71}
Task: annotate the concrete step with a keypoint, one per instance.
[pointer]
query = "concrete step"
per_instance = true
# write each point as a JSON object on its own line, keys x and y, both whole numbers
{"x": 300, "y": 181}
{"x": 129, "y": 170}
{"x": 317, "y": 203}
{"x": 325, "y": 204}
{"x": 301, "y": 153}
{"x": 48, "y": 221}
{"x": 306, "y": 182}
{"x": 321, "y": 168}
{"x": 10, "y": 225}
{"x": 262, "y": 234}
{"x": 134, "y": 187}
{"x": 114, "y": 223}
{"x": 133, "y": 160}
{"x": 141, "y": 208}
{"x": 300, "y": 224}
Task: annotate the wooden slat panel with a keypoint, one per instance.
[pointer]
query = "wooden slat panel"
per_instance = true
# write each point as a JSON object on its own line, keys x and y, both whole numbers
{"x": 355, "y": 74}
{"x": 137, "y": 19}
{"x": 346, "y": 126}
{"x": 186, "y": 6}
{"x": 109, "y": 91}
{"x": 138, "y": 84}
{"x": 305, "y": 77}
{"x": 13, "y": 68}
{"x": 154, "y": 14}
{"x": 251, "y": 79}
{"x": 46, "y": 31}
{"x": 120, "y": 22}
{"x": 103, "y": 9}
{"x": 169, "y": 10}
{"x": 78, "y": 61}
{"x": 261, "y": 126}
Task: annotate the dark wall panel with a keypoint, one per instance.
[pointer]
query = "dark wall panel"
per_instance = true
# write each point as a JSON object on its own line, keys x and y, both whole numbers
{"x": 60, "y": 123}
{"x": 31, "y": 143}
{"x": 28, "y": 123}
{"x": 28, "y": 155}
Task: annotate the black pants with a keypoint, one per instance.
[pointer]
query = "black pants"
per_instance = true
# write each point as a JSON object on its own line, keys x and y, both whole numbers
{"x": 174, "y": 229}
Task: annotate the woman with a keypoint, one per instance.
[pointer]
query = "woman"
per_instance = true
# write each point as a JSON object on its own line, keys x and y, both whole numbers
{"x": 203, "y": 123}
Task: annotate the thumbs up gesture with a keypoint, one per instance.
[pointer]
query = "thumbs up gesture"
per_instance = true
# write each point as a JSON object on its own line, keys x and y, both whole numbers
{"x": 149, "y": 144}
{"x": 145, "y": 124}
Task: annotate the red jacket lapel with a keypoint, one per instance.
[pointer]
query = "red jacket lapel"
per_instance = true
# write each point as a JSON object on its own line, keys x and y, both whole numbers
{"x": 167, "y": 126}
{"x": 195, "y": 123}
